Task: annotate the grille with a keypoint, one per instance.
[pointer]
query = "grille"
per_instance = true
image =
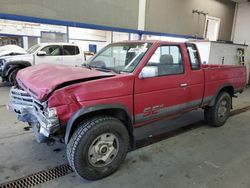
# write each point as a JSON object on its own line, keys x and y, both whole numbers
{"x": 39, "y": 177}
{"x": 21, "y": 97}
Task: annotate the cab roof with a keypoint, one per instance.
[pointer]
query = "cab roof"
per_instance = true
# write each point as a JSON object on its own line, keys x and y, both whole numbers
{"x": 149, "y": 41}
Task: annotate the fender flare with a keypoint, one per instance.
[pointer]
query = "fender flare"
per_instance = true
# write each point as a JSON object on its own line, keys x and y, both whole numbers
{"x": 10, "y": 66}
{"x": 212, "y": 102}
{"x": 85, "y": 111}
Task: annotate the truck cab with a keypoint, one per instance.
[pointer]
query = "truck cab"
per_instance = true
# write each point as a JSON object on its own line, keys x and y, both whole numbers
{"x": 58, "y": 53}
{"x": 171, "y": 81}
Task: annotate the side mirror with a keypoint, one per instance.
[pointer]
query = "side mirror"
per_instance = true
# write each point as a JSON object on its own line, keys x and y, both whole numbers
{"x": 148, "y": 72}
{"x": 41, "y": 53}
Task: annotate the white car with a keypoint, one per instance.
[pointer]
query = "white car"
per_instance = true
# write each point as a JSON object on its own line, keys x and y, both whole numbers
{"x": 54, "y": 53}
{"x": 60, "y": 53}
{"x": 11, "y": 50}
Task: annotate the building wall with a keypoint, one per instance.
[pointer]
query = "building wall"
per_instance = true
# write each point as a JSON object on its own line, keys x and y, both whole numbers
{"x": 33, "y": 33}
{"x": 242, "y": 28}
{"x": 166, "y": 16}
{"x": 27, "y": 28}
{"x": 118, "y": 13}
{"x": 175, "y": 16}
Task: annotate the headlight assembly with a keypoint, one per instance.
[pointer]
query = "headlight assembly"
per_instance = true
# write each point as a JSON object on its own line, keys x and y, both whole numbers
{"x": 51, "y": 112}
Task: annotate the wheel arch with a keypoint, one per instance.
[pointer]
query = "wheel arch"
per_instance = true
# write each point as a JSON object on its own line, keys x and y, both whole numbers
{"x": 225, "y": 88}
{"x": 10, "y": 66}
{"x": 115, "y": 110}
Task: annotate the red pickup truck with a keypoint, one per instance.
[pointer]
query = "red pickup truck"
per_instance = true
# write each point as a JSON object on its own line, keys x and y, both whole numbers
{"x": 94, "y": 109}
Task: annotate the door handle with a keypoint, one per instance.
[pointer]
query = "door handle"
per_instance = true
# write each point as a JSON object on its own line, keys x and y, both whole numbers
{"x": 184, "y": 85}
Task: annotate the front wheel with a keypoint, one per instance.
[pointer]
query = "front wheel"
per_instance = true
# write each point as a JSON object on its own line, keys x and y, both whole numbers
{"x": 98, "y": 147}
{"x": 218, "y": 114}
{"x": 12, "y": 77}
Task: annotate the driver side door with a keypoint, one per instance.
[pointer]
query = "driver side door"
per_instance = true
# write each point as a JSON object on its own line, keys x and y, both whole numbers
{"x": 53, "y": 55}
{"x": 162, "y": 94}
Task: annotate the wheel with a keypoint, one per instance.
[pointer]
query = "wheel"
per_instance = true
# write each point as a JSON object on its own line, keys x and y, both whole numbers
{"x": 12, "y": 77}
{"x": 98, "y": 147}
{"x": 218, "y": 114}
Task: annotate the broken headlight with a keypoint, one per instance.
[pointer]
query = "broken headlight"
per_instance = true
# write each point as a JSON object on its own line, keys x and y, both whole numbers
{"x": 51, "y": 112}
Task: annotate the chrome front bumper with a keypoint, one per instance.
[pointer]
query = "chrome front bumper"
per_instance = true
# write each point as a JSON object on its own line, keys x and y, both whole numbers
{"x": 32, "y": 111}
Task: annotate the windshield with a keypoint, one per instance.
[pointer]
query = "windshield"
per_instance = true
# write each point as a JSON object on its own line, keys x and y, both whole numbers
{"x": 122, "y": 57}
{"x": 32, "y": 49}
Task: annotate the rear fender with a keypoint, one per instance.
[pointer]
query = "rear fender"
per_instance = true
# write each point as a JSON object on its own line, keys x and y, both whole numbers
{"x": 227, "y": 88}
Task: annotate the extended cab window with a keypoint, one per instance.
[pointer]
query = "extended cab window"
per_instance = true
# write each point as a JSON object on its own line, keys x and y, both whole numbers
{"x": 168, "y": 60}
{"x": 71, "y": 50}
{"x": 193, "y": 56}
{"x": 53, "y": 50}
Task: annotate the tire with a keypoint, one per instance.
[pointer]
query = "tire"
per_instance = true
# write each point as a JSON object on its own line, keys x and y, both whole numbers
{"x": 81, "y": 155}
{"x": 218, "y": 114}
{"x": 12, "y": 77}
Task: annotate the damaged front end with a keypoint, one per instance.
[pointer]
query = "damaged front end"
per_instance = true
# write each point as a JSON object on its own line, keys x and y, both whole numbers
{"x": 42, "y": 119}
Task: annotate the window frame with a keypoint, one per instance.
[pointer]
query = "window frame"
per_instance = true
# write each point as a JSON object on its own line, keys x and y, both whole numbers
{"x": 181, "y": 53}
{"x": 70, "y": 46}
{"x": 190, "y": 62}
{"x": 60, "y": 47}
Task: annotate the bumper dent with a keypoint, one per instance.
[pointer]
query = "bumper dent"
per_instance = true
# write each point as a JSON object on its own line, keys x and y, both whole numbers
{"x": 28, "y": 110}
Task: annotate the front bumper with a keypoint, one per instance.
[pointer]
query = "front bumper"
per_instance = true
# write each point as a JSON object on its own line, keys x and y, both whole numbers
{"x": 32, "y": 111}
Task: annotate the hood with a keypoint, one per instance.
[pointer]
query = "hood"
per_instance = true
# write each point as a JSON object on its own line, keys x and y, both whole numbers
{"x": 41, "y": 80}
{"x": 11, "y": 50}
{"x": 23, "y": 57}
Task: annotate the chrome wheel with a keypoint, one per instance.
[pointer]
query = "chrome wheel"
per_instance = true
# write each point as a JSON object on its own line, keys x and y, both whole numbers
{"x": 103, "y": 150}
{"x": 223, "y": 109}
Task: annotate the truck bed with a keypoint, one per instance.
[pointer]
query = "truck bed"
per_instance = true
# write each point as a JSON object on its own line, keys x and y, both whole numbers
{"x": 217, "y": 76}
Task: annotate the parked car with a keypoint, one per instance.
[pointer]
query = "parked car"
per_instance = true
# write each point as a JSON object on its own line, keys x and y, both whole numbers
{"x": 10, "y": 50}
{"x": 95, "y": 109}
{"x": 52, "y": 53}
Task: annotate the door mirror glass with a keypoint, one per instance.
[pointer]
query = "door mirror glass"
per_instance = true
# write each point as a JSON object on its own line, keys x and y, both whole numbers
{"x": 41, "y": 53}
{"x": 148, "y": 72}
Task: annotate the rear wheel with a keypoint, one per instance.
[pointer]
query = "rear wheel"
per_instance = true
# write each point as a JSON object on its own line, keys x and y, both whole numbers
{"x": 98, "y": 147}
{"x": 218, "y": 114}
{"x": 12, "y": 77}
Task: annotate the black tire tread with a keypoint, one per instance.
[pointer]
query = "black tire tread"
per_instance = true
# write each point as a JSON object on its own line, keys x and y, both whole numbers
{"x": 210, "y": 112}
{"x": 83, "y": 128}
{"x": 13, "y": 73}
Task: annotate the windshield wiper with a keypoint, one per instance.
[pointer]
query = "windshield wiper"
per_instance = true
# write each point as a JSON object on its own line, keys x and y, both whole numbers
{"x": 86, "y": 65}
{"x": 107, "y": 69}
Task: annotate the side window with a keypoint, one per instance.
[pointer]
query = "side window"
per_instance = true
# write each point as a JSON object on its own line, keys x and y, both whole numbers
{"x": 167, "y": 60}
{"x": 53, "y": 50}
{"x": 193, "y": 56}
{"x": 70, "y": 50}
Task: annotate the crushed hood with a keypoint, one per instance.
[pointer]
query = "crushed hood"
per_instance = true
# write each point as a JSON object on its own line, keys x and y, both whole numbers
{"x": 40, "y": 80}
{"x": 11, "y": 50}
{"x": 20, "y": 57}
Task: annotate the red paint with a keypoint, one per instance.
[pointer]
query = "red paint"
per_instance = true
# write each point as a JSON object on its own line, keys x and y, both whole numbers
{"x": 127, "y": 89}
{"x": 43, "y": 79}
